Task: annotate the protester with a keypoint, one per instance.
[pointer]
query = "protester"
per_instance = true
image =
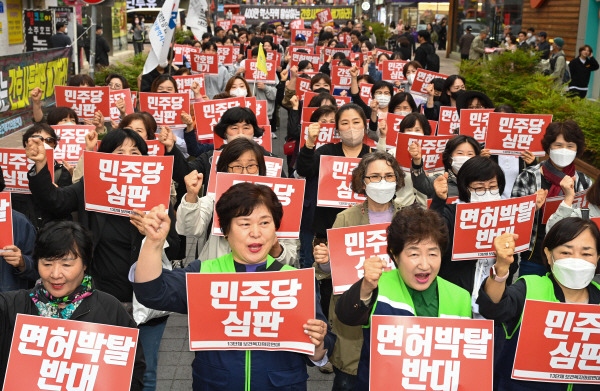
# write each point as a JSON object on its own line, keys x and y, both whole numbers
{"x": 453, "y": 86}
{"x": 581, "y": 69}
{"x": 566, "y": 207}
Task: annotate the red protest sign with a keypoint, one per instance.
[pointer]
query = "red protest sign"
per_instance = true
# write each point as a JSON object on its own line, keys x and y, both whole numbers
{"x": 349, "y": 247}
{"x": 327, "y": 52}
{"x": 448, "y": 121}
{"x": 155, "y": 148}
{"x": 85, "y": 101}
{"x": 166, "y": 108}
{"x": 511, "y": 134}
{"x": 15, "y": 165}
{"x": 340, "y": 77}
{"x": 432, "y": 148}
{"x": 365, "y": 93}
{"x": 307, "y": 112}
{"x": 270, "y": 55}
{"x": 474, "y": 123}
{"x": 327, "y": 135}
{"x": 296, "y": 24}
{"x": 205, "y": 63}
{"x": 342, "y": 100}
{"x": 308, "y": 34}
{"x": 181, "y": 51}
{"x": 552, "y": 204}
{"x": 184, "y": 84}
{"x": 558, "y": 343}
{"x": 335, "y": 176}
{"x": 431, "y": 353}
{"x": 227, "y": 55}
{"x": 251, "y": 311}
{"x": 449, "y": 200}
{"x": 60, "y": 354}
{"x": 392, "y": 70}
{"x": 118, "y": 184}
{"x": 259, "y": 107}
{"x": 325, "y": 18}
{"x": 116, "y": 96}
{"x": 422, "y": 80}
{"x": 254, "y": 75}
{"x": 312, "y": 58}
{"x": 134, "y": 96}
{"x": 209, "y": 113}
{"x": 290, "y": 193}
{"x": 238, "y": 19}
{"x": 300, "y": 49}
{"x": 226, "y": 24}
{"x": 386, "y": 52}
{"x": 478, "y": 223}
{"x": 6, "y": 228}
{"x": 264, "y": 140}
{"x": 72, "y": 142}
{"x": 393, "y": 128}
{"x": 302, "y": 86}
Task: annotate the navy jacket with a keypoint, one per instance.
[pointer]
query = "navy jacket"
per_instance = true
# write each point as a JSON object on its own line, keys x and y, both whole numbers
{"x": 11, "y": 279}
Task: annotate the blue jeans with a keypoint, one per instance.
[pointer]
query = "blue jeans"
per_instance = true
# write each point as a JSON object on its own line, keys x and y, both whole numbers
{"x": 150, "y": 337}
{"x": 306, "y": 249}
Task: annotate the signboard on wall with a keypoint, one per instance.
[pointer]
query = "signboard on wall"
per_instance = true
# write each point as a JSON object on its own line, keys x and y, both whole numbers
{"x": 39, "y": 28}
{"x": 15, "y": 23}
{"x": 261, "y": 13}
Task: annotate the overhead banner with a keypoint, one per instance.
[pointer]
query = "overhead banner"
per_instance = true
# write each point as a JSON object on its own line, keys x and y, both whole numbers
{"x": 21, "y": 73}
{"x": 39, "y": 27}
{"x": 132, "y": 4}
{"x": 256, "y": 14}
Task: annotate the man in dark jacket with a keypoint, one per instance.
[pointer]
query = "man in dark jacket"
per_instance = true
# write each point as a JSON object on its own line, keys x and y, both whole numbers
{"x": 102, "y": 48}
{"x": 425, "y": 48}
{"x": 60, "y": 39}
{"x": 464, "y": 43}
{"x": 544, "y": 46}
{"x": 408, "y": 35}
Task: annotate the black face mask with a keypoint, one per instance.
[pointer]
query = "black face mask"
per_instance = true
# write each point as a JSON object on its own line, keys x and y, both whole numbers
{"x": 436, "y": 98}
{"x": 456, "y": 94}
{"x": 320, "y": 90}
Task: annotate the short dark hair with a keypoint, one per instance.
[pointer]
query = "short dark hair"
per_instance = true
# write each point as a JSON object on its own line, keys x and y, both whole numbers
{"x": 161, "y": 79}
{"x": 345, "y": 62}
{"x": 152, "y": 123}
{"x": 588, "y": 47}
{"x": 504, "y": 109}
{"x": 453, "y": 143}
{"x": 116, "y": 76}
{"x": 318, "y": 77}
{"x": 478, "y": 168}
{"x": 566, "y": 230}
{"x": 425, "y": 35}
{"x": 302, "y": 65}
{"x": 531, "y": 29}
{"x": 415, "y": 64}
{"x": 321, "y": 111}
{"x": 438, "y": 83}
{"x": 357, "y": 184}
{"x": 146, "y": 118}
{"x": 241, "y": 199}
{"x": 339, "y": 56}
{"x": 80, "y": 81}
{"x": 411, "y": 120}
{"x": 368, "y": 44}
{"x": 356, "y": 33}
{"x": 236, "y": 115}
{"x": 569, "y": 130}
{"x": 414, "y": 224}
{"x": 449, "y": 82}
{"x": 233, "y": 79}
{"x": 37, "y": 128}
{"x": 58, "y": 113}
{"x": 399, "y": 98}
{"x": 382, "y": 84}
{"x": 58, "y": 239}
{"x": 117, "y": 137}
{"x": 318, "y": 99}
{"x": 350, "y": 106}
{"x": 235, "y": 148}
{"x": 365, "y": 78}
{"x": 209, "y": 45}
{"x": 60, "y": 25}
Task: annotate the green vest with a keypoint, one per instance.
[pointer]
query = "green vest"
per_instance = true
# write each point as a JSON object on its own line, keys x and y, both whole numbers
{"x": 226, "y": 264}
{"x": 453, "y": 300}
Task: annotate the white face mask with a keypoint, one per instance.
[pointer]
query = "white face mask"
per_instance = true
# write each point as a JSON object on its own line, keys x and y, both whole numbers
{"x": 383, "y": 100}
{"x": 573, "y": 273}
{"x": 238, "y": 92}
{"x": 411, "y": 78}
{"x": 414, "y": 133}
{"x": 404, "y": 113}
{"x": 458, "y": 161}
{"x": 528, "y": 35}
{"x": 562, "y": 157}
{"x": 381, "y": 192}
{"x": 66, "y": 31}
{"x": 486, "y": 197}
{"x": 352, "y": 137}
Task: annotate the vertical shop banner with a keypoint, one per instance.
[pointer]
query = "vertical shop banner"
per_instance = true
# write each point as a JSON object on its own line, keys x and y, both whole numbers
{"x": 558, "y": 343}
{"x": 118, "y": 184}
{"x": 325, "y": 18}
{"x": 61, "y": 354}
{"x": 259, "y": 108}
{"x": 6, "y": 228}
{"x": 552, "y": 204}
{"x": 181, "y": 51}
{"x": 85, "y": 101}
{"x": 349, "y": 247}
{"x": 432, "y": 148}
{"x": 340, "y": 77}
{"x": 392, "y": 71}
{"x": 302, "y": 86}
{"x": 115, "y": 96}
{"x": 185, "y": 82}
{"x": 510, "y": 134}
{"x": 39, "y": 27}
{"x": 431, "y": 353}
{"x": 72, "y": 142}
{"x": 15, "y": 23}
{"x": 209, "y": 113}
{"x": 290, "y": 193}
{"x": 254, "y": 75}
{"x": 448, "y": 121}
{"x": 474, "y": 123}
{"x": 335, "y": 177}
{"x": 15, "y": 165}
{"x": 308, "y": 34}
{"x": 155, "y": 148}
{"x": 477, "y": 224}
{"x": 205, "y": 63}
{"x": 251, "y": 311}
{"x": 422, "y": 80}
{"x": 328, "y": 134}
{"x": 166, "y": 108}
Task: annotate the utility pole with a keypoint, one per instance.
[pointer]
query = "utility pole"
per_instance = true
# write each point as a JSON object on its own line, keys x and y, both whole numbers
{"x": 92, "y": 59}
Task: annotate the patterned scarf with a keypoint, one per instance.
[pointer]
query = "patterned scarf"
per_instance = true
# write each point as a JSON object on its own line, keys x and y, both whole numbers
{"x": 48, "y": 305}
{"x": 554, "y": 176}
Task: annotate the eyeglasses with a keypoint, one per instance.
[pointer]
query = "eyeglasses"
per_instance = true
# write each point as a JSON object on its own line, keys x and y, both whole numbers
{"x": 48, "y": 140}
{"x": 476, "y": 107}
{"x": 378, "y": 178}
{"x": 494, "y": 190}
{"x": 250, "y": 169}
{"x": 115, "y": 86}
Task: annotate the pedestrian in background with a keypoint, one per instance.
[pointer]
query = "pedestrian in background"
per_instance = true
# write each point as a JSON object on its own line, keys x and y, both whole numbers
{"x": 581, "y": 69}
{"x": 464, "y": 43}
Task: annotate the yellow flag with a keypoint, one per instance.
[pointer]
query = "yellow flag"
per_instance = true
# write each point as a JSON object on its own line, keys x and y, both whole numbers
{"x": 261, "y": 60}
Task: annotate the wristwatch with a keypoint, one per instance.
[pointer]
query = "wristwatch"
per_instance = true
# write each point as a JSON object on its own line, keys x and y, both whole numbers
{"x": 495, "y": 277}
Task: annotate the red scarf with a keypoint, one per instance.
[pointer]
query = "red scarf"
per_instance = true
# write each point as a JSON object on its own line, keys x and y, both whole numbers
{"x": 554, "y": 176}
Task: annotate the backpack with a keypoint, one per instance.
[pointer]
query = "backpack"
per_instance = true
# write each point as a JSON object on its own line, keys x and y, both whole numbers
{"x": 566, "y": 76}
{"x": 433, "y": 61}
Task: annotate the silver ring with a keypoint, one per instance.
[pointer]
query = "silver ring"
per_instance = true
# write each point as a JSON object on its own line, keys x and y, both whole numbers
{"x": 507, "y": 245}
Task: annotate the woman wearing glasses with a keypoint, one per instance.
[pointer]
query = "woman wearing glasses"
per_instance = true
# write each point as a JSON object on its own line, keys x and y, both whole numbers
{"x": 195, "y": 215}
{"x": 378, "y": 176}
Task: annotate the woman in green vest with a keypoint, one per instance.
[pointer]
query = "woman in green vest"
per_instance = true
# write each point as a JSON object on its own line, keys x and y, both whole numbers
{"x": 416, "y": 240}
{"x": 571, "y": 258}
{"x": 249, "y": 215}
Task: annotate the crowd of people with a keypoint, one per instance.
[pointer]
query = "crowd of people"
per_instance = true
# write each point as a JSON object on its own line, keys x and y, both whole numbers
{"x": 69, "y": 262}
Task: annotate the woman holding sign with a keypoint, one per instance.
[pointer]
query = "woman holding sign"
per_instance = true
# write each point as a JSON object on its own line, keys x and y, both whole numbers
{"x": 570, "y": 256}
{"x": 249, "y": 215}
{"x": 416, "y": 241}
{"x": 566, "y": 207}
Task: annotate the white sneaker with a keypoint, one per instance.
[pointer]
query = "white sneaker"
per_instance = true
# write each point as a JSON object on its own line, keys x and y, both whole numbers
{"x": 273, "y": 135}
